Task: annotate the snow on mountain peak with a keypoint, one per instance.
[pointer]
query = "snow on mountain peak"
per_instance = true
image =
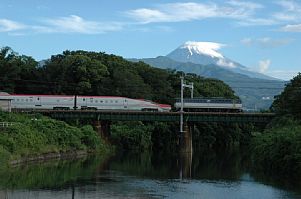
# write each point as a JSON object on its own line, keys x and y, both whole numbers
{"x": 205, "y": 48}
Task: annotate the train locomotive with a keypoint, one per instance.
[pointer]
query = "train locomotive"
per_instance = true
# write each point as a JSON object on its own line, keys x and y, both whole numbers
{"x": 209, "y": 105}
{"x": 70, "y": 102}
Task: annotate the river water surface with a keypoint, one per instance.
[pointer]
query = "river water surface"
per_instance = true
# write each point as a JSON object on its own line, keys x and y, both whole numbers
{"x": 207, "y": 175}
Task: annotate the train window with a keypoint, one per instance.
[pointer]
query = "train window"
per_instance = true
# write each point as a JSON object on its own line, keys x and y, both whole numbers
{"x": 58, "y": 100}
{"x": 106, "y": 101}
{"x": 17, "y": 99}
{"x": 26, "y": 100}
{"x": 96, "y": 101}
{"x": 84, "y": 99}
{"x": 101, "y": 101}
{"x": 116, "y": 101}
{"x": 22, "y": 100}
{"x": 38, "y": 98}
{"x": 31, "y": 100}
{"x": 111, "y": 101}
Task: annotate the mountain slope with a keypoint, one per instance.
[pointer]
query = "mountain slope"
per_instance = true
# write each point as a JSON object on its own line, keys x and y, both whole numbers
{"x": 255, "y": 93}
{"x": 206, "y": 53}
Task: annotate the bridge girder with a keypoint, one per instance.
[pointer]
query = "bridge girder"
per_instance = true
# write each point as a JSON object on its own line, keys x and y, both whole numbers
{"x": 159, "y": 116}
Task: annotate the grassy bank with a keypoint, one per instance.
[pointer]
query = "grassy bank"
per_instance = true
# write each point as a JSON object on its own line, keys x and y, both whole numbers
{"x": 32, "y": 135}
{"x": 277, "y": 150}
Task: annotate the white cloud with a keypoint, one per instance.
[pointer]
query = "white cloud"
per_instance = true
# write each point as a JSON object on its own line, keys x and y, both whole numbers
{"x": 76, "y": 24}
{"x": 70, "y": 24}
{"x": 178, "y": 12}
{"x": 223, "y": 62}
{"x": 250, "y": 5}
{"x": 291, "y": 11}
{"x": 257, "y": 22}
{"x": 9, "y": 25}
{"x": 174, "y": 12}
{"x": 246, "y": 41}
{"x": 291, "y": 28}
{"x": 264, "y": 65}
{"x": 266, "y": 42}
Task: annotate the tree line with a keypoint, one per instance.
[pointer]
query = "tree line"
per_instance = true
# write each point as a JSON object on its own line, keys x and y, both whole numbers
{"x": 97, "y": 73}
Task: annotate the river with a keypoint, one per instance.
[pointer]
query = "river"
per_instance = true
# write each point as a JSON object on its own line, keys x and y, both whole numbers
{"x": 206, "y": 175}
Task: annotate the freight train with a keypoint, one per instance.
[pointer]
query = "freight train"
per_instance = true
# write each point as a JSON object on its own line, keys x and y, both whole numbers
{"x": 70, "y": 102}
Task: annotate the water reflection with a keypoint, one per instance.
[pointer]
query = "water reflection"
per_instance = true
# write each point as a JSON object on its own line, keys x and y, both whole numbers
{"x": 207, "y": 174}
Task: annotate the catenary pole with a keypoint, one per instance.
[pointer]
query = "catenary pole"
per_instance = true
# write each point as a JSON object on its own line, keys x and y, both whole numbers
{"x": 182, "y": 104}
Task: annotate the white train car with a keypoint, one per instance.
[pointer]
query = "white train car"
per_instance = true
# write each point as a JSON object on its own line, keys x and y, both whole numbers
{"x": 65, "y": 102}
{"x": 210, "y": 105}
{"x": 116, "y": 103}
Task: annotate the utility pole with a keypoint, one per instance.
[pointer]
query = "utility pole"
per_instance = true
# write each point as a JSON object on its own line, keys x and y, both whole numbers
{"x": 185, "y": 142}
{"x": 182, "y": 104}
{"x": 183, "y": 85}
{"x": 191, "y": 89}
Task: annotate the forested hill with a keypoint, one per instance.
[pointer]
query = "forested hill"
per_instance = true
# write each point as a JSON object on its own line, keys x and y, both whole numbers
{"x": 97, "y": 73}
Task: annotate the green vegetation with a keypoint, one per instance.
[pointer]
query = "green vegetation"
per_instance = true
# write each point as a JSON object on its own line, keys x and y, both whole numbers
{"x": 35, "y": 134}
{"x": 132, "y": 135}
{"x": 164, "y": 137}
{"x": 289, "y": 102}
{"x": 214, "y": 135}
{"x": 97, "y": 73}
{"x": 277, "y": 151}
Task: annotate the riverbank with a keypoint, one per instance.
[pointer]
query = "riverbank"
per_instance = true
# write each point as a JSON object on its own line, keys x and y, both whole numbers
{"x": 35, "y": 137}
{"x": 277, "y": 150}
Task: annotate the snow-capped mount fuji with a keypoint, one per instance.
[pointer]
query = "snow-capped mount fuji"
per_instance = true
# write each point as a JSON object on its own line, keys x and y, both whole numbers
{"x": 206, "y": 53}
{"x": 256, "y": 90}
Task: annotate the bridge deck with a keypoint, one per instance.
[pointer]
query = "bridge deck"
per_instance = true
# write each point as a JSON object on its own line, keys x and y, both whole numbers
{"x": 159, "y": 116}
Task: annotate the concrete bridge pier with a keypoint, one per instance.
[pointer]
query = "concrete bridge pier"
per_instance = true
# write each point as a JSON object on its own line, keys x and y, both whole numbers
{"x": 185, "y": 165}
{"x": 186, "y": 138}
{"x": 186, "y": 150}
{"x": 103, "y": 129}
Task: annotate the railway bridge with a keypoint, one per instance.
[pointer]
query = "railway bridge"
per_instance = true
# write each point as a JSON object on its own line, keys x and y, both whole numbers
{"x": 190, "y": 117}
{"x": 102, "y": 119}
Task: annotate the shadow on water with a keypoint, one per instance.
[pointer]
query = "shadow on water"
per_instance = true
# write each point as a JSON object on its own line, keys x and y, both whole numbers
{"x": 227, "y": 165}
{"x": 208, "y": 165}
{"x": 120, "y": 173}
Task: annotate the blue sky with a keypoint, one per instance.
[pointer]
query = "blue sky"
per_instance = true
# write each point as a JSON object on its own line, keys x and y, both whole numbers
{"x": 262, "y": 35}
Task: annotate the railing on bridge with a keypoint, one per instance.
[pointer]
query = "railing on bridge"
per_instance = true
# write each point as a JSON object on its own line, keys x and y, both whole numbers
{"x": 6, "y": 124}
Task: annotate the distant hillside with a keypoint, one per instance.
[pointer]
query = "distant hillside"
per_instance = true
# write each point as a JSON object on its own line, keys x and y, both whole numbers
{"x": 255, "y": 93}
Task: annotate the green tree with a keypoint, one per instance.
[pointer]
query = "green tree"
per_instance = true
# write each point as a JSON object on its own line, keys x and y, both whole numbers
{"x": 15, "y": 68}
{"x": 73, "y": 74}
{"x": 8, "y": 69}
{"x": 289, "y": 101}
